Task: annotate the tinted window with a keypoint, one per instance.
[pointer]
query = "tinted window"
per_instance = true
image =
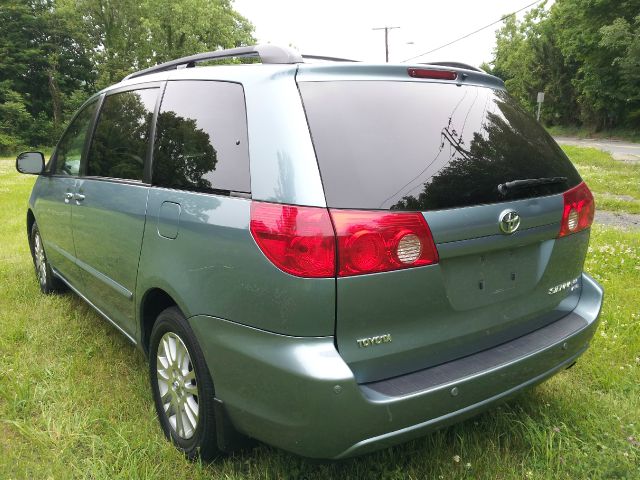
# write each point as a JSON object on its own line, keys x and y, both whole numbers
{"x": 201, "y": 138}
{"x": 425, "y": 146}
{"x": 121, "y": 137}
{"x": 69, "y": 151}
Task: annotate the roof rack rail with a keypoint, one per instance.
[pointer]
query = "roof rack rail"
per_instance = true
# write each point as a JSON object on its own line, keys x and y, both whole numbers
{"x": 267, "y": 53}
{"x": 456, "y": 65}
{"x": 328, "y": 59}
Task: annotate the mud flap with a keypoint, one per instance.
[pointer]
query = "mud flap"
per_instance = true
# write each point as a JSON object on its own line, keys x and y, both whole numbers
{"x": 228, "y": 438}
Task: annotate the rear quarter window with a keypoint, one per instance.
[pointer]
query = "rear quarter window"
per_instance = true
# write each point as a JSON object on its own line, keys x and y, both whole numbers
{"x": 426, "y": 146}
{"x": 201, "y": 138}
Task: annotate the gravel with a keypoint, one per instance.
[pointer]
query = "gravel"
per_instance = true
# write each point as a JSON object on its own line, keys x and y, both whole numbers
{"x": 626, "y": 221}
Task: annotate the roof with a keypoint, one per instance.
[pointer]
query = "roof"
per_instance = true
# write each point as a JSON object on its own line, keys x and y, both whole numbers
{"x": 276, "y": 59}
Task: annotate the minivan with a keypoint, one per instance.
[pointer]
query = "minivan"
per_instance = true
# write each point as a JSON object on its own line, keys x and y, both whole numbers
{"x": 327, "y": 256}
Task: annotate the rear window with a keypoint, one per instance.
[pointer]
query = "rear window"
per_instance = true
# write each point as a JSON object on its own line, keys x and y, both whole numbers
{"x": 426, "y": 146}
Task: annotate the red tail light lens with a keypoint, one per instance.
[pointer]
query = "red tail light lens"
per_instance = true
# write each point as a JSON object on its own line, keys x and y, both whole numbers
{"x": 298, "y": 240}
{"x": 370, "y": 242}
{"x": 428, "y": 73}
{"x": 579, "y": 209}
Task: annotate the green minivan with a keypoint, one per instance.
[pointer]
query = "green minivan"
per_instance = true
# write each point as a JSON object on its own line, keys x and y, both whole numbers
{"x": 327, "y": 256}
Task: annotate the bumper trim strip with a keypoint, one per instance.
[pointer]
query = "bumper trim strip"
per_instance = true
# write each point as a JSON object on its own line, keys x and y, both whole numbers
{"x": 480, "y": 362}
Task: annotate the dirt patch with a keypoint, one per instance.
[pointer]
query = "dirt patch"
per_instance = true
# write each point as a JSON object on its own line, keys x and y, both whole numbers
{"x": 626, "y": 157}
{"x": 626, "y": 221}
{"x": 622, "y": 151}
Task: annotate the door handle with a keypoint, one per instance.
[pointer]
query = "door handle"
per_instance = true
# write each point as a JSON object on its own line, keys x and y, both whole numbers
{"x": 68, "y": 196}
{"x": 79, "y": 197}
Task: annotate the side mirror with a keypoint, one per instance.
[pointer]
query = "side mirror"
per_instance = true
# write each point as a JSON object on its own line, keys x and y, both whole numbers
{"x": 30, "y": 162}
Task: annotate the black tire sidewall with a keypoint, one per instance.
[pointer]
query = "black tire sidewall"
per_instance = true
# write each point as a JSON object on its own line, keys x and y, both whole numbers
{"x": 203, "y": 442}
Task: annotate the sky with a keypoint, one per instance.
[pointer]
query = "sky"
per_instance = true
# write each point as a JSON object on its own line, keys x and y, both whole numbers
{"x": 344, "y": 28}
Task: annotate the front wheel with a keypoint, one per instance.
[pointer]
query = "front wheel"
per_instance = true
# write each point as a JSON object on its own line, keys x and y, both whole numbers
{"x": 182, "y": 387}
{"x": 48, "y": 283}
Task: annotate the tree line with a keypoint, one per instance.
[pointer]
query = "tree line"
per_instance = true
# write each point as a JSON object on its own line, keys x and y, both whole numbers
{"x": 585, "y": 56}
{"x": 55, "y": 53}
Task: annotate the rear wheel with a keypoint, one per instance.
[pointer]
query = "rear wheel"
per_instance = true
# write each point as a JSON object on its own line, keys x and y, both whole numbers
{"x": 48, "y": 282}
{"x": 182, "y": 387}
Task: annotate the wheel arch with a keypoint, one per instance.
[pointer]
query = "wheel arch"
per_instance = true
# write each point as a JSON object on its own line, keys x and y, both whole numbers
{"x": 153, "y": 302}
{"x": 31, "y": 219}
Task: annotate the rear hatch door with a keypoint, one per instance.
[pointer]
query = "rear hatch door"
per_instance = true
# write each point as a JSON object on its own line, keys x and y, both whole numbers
{"x": 446, "y": 149}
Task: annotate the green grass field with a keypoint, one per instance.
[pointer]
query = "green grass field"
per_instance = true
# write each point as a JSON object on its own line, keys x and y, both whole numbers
{"x": 615, "y": 184}
{"x": 74, "y": 400}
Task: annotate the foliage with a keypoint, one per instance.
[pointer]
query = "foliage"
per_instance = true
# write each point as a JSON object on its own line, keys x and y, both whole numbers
{"x": 585, "y": 56}
{"x": 42, "y": 63}
{"x": 129, "y": 35}
{"x": 55, "y": 53}
{"x": 622, "y": 40}
{"x": 14, "y": 117}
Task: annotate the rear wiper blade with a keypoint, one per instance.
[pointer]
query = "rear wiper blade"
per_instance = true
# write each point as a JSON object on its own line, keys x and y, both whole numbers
{"x": 504, "y": 188}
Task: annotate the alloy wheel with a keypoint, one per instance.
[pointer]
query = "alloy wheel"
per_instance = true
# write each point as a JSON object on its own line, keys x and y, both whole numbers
{"x": 177, "y": 385}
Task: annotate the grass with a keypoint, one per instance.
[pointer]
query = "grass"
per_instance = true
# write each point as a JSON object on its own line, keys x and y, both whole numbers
{"x": 74, "y": 400}
{"x": 615, "y": 184}
{"x": 629, "y": 134}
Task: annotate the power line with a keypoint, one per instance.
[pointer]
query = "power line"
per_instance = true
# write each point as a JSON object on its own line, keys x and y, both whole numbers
{"x": 474, "y": 32}
{"x": 386, "y": 40}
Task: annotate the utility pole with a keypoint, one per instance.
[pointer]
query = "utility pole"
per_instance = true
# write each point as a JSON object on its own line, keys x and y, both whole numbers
{"x": 386, "y": 40}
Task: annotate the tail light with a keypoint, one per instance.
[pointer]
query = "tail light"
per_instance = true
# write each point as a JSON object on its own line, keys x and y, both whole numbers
{"x": 578, "y": 211}
{"x": 301, "y": 240}
{"x": 298, "y": 240}
{"x": 375, "y": 241}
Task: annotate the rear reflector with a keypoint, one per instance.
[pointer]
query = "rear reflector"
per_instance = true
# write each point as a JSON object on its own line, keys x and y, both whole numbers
{"x": 379, "y": 241}
{"x": 578, "y": 211}
{"x": 436, "y": 74}
{"x": 297, "y": 240}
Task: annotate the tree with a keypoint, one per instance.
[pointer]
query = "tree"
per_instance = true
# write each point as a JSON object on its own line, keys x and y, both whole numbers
{"x": 622, "y": 40}
{"x": 14, "y": 118}
{"x": 192, "y": 26}
{"x": 598, "y": 84}
{"x": 55, "y": 53}
{"x": 42, "y": 63}
{"x": 529, "y": 60}
{"x": 582, "y": 53}
{"x": 129, "y": 35}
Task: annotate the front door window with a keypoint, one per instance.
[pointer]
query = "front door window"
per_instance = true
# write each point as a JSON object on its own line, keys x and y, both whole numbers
{"x": 71, "y": 146}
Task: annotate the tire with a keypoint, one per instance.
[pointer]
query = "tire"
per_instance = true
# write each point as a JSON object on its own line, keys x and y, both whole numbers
{"x": 48, "y": 282}
{"x": 182, "y": 390}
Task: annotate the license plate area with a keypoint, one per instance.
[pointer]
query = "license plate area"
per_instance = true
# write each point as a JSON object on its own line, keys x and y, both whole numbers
{"x": 476, "y": 280}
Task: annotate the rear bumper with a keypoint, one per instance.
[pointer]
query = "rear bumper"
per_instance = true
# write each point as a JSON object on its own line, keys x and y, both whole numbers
{"x": 298, "y": 394}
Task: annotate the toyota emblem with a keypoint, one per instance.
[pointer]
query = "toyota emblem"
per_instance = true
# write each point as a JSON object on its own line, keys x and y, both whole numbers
{"x": 509, "y": 221}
